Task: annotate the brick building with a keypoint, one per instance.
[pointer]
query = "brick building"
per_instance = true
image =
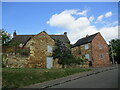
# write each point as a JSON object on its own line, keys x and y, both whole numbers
{"x": 41, "y": 49}
{"x": 94, "y": 48}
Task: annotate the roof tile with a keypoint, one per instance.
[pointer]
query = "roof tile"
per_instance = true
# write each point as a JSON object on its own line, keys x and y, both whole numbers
{"x": 24, "y": 38}
{"x": 85, "y": 40}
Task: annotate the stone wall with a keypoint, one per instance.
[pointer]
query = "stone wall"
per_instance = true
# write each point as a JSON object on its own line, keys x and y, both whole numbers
{"x": 17, "y": 61}
{"x": 96, "y": 51}
{"x": 76, "y": 51}
{"x": 86, "y": 51}
{"x": 38, "y": 53}
{"x": 55, "y": 64}
{"x": 38, "y": 50}
{"x": 80, "y": 51}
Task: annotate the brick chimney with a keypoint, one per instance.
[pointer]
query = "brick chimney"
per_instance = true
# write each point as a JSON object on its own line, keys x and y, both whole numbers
{"x": 65, "y": 33}
{"x": 14, "y": 33}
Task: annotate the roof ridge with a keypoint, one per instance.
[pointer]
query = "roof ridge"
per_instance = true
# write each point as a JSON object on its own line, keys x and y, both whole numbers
{"x": 57, "y": 35}
{"x": 35, "y": 34}
{"x": 85, "y": 39}
{"x": 89, "y": 35}
{"x": 24, "y": 35}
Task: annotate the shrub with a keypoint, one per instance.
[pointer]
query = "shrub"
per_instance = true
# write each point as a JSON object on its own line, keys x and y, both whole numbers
{"x": 4, "y": 60}
{"x": 63, "y": 53}
{"x": 24, "y": 52}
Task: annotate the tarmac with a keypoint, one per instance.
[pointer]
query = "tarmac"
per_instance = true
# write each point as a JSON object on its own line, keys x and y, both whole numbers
{"x": 47, "y": 84}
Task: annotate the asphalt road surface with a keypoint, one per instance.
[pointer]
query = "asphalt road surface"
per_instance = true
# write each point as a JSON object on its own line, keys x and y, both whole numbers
{"x": 107, "y": 79}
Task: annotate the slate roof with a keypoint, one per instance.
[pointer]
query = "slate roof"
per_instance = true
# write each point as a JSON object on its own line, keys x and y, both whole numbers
{"x": 25, "y": 38}
{"x": 85, "y": 40}
{"x": 63, "y": 38}
{"x": 22, "y": 38}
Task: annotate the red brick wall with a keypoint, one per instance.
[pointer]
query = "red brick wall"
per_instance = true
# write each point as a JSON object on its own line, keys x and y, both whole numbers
{"x": 97, "y": 61}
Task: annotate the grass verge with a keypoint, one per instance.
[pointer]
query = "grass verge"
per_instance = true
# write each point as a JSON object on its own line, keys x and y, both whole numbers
{"x": 14, "y": 78}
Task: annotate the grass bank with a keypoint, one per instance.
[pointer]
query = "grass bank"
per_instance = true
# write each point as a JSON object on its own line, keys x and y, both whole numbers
{"x": 14, "y": 78}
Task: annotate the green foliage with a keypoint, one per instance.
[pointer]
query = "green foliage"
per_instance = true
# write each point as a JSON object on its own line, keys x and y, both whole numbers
{"x": 6, "y": 37}
{"x": 79, "y": 61}
{"x": 115, "y": 43}
{"x": 4, "y": 60}
{"x": 68, "y": 46}
{"x": 63, "y": 53}
{"x": 14, "y": 43}
{"x": 14, "y": 78}
{"x": 23, "y": 52}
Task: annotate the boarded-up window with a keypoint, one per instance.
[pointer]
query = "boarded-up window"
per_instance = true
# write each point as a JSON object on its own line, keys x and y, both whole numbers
{"x": 49, "y": 48}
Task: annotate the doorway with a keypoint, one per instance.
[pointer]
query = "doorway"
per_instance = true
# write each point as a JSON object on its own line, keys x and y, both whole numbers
{"x": 49, "y": 62}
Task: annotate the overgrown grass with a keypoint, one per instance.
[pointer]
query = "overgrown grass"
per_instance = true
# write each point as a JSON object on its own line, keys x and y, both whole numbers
{"x": 14, "y": 78}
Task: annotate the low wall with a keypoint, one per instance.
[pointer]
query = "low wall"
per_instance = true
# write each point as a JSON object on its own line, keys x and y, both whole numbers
{"x": 17, "y": 62}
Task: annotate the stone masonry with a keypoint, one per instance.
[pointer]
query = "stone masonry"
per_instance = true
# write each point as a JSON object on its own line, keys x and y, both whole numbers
{"x": 38, "y": 53}
{"x": 80, "y": 51}
{"x": 38, "y": 50}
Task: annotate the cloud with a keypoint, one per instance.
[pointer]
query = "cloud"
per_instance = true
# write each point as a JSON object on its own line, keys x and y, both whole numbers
{"x": 66, "y": 20}
{"x": 91, "y": 18}
{"x": 109, "y": 32}
{"x": 84, "y": 13}
{"x": 61, "y": 20}
{"x": 100, "y": 17}
{"x": 114, "y": 23}
{"x": 79, "y": 27}
{"x": 108, "y": 14}
{"x": 71, "y": 11}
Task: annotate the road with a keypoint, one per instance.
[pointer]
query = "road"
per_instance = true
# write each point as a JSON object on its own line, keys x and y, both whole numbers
{"x": 107, "y": 79}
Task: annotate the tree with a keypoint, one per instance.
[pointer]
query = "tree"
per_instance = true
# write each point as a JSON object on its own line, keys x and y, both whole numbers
{"x": 115, "y": 49}
{"x": 6, "y": 37}
{"x": 14, "y": 43}
{"x": 63, "y": 53}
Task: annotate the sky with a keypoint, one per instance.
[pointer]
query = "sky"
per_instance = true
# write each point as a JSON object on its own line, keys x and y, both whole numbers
{"x": 78, "y": 19}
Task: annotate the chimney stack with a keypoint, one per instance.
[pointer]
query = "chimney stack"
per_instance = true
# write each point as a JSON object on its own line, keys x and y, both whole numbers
{"x": 65, "y": 33}
{"x": 87, "y": 35}
{"x": 14, "y": 33}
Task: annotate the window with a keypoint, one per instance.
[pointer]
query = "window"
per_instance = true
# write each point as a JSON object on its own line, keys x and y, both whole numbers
{"x": 49, "y": 48}
{"x": 100, "y": 47}
{"x": 101, "y": 56}
{"x": 86, "y": 46}
{"x": 87, "y": 56}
